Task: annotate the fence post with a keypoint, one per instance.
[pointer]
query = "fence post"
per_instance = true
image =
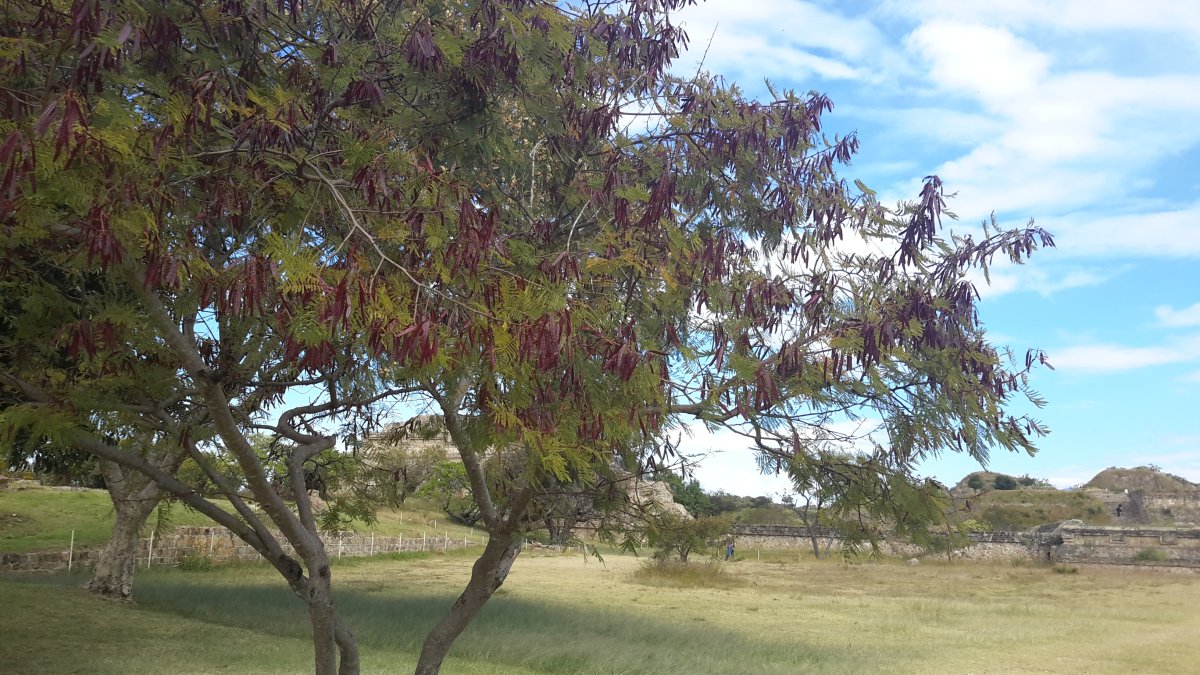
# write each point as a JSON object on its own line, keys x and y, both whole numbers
{"x": 372, "y": 543}
{"x": 339, "y": 545}
{"x": 71, "y": 552}
{"x": 400, "y": 542}
{"x": 150, "y": 552}
{"x": 445, "y": 543}
{"x": 422, "y": 540}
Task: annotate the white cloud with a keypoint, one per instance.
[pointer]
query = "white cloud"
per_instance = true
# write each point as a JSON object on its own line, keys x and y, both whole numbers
{"x": 1176, "y": 318}
{"x": 1069, "y": 16}
{"x": 1008, "y": 278}
{"x": 989, "y": 62}
{"x": 778, "y": 39}
{"x": 1169, "y": 234}
{"x": 1107, "y": 358}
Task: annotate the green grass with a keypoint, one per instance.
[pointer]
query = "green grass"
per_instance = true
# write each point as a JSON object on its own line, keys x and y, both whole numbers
{"x": 42, "y": 519}
{"x": 1027, "y": 508}
{"x": 695, "y": 574}
{"x": 565, "y": 614}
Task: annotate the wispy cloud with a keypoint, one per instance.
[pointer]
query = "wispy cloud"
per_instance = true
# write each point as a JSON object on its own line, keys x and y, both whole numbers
{"x": 1108, "y": 358}
{"x": 1175, "y": 318}
{"x": 1008, "y": 278}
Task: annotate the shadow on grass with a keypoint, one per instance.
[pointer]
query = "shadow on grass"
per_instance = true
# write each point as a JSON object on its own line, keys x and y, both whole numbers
{"x": 509, "y": 631}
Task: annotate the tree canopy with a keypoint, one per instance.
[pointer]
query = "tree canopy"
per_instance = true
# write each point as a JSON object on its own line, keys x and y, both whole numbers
{"x": 224, "y": 218}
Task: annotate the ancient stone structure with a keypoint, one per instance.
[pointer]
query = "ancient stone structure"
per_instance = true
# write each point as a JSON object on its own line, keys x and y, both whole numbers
{"x": 1070, "y": 542}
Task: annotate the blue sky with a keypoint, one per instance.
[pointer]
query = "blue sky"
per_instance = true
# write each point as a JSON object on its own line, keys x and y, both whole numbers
{"x": 1083, "y": 115}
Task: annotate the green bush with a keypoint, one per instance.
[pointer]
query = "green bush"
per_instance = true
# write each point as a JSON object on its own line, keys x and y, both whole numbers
{"x": 1005, "y": 482}
{"x": 195, "y": 563}
{"x": 1151, "y": 555}
{"x": 663, "y": 572}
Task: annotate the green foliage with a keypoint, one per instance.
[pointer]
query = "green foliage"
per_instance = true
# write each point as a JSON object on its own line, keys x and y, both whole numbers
{"x": 767, "y": 515}
{"x": 195, "y": 563}
{"x": 1151, "y": 555}
{"x": 679, "y": 537}
{"x": 975, "y": 483}
{"x": 1005, "y": 482}
{"x": 975, "y": 525}
{"x": 449, "y": 486}
{"x": 661, "y": 572}
{"x": 687, "y": 494}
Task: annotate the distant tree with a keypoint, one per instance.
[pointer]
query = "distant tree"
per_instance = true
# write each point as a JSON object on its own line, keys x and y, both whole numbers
{"x": 1005, "y": 482}
{"x": 450, "y": 487}
{"x": 975, "y": 482}
{"x": 687, "y": 493}
{"x": 679, "y": 537}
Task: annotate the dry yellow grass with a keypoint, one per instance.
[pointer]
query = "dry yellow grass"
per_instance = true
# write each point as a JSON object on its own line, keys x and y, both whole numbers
{"x": 562, "y": 614}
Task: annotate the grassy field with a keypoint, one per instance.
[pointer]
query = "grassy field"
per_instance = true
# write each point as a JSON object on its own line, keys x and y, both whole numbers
{"x": 42, "y": 519}
{"x": 564, "y": 615}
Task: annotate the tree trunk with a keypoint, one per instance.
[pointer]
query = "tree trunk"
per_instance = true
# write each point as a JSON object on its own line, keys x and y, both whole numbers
{"x": 321, "y": 615}
{"x": 487, "y": 575}
{"x": 335, "y": 649}
{"x": 347, "y": 648}
{"x": 112, "y": 577}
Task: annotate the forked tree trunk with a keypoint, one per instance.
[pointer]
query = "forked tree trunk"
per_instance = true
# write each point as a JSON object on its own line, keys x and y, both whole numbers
{"x": 487, "y": 575}
{"x": 134, "y": 498}
{"x": 321, "y": 615}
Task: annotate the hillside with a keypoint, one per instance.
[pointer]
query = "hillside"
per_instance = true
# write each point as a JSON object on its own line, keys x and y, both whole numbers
{"x": 1146, "y": 478}
{"x": 43, "y": 519}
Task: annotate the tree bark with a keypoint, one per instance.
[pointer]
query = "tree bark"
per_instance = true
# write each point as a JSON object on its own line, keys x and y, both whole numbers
{"x": 134, "y": 498}
{"x": 487, "y": 575}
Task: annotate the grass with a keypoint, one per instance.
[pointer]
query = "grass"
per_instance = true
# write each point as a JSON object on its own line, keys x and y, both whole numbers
{"x": 696, "y": 574}
{"x": 568, "y": 614}
{"x": 1026, "y": 508}
{"x": 42, "y": 519}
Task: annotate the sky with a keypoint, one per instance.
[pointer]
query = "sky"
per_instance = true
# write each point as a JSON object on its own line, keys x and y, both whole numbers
{"x": 1081, "y": 115}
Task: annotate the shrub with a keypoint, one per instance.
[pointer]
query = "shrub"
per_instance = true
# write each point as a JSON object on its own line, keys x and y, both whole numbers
{"x": 663, "y": 572}
{"x": 1065, "y": 569}
{"x": 1004, "y": 482}
{"x": 195, "y": 563}
{"x": 1151, "y": 555}
{"x": 975, "y": 525}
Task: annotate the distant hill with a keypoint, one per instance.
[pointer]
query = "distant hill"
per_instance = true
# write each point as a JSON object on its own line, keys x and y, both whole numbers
{"x": 989, "y": 481}
{"x": 1146, "y": 478}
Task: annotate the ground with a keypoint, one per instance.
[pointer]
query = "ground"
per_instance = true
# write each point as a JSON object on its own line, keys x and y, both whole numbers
{"x": 562, "y": 614}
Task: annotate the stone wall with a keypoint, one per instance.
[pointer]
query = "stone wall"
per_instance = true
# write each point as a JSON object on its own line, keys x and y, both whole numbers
{"x": 1182, "y": 506}
{"x": 1070, "y": 541}
{"x": 783, "y": 537}
{"x": 1179, "y": 547}
{"x": 220, "y": 545}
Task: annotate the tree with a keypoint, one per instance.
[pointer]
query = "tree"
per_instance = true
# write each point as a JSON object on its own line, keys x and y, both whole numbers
{"x": 449, "y": 486}
{"x": 975, "y": 482}
{"x": 816, "y": 497}
{"x": 680, "y": 536}
{"x": 210, "y": 206}
{"x": 687, "y": 494}
{"x": 1005, "y": 482}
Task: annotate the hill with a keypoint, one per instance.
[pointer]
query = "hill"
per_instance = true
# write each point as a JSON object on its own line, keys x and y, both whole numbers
{"x": 987, "y": 479}
{"x": 44, "y": 518}
{"x": 1149, "y": 479}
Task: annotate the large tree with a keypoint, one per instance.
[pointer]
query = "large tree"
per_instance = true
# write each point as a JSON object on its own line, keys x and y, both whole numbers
{"x": 509, "y": 211}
